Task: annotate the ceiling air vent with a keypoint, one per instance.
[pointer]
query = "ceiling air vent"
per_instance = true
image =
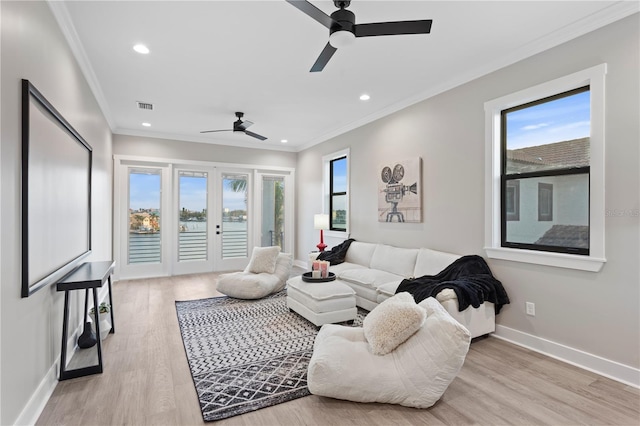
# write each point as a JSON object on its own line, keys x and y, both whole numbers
{"x": 145, "y": 105}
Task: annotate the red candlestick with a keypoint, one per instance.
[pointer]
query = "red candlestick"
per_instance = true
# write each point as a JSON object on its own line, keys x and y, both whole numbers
{"x": 322, "y": 245}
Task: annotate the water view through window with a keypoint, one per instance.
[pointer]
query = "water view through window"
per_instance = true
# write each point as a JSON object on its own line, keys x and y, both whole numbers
{"x": 234, "y": 215}
{"x": 144, "y": 216}
{"x": 192, "y": 241}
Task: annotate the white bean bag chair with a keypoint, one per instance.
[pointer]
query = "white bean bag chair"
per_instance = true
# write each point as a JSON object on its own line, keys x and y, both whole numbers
{"x": 260, "y": 278}
{"x": 414, "y": 374}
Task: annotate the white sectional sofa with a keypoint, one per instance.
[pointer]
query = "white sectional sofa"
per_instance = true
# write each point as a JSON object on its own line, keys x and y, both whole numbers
{"x": 375, "y": 271}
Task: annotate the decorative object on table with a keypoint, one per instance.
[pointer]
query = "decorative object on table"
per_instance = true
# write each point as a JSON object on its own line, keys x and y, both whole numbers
{"x": 103, "y": 317}
{"x": 399, "y": 193}
{"x": 246, "y": 355}
{"x": 88, "y": 337}
{"x": 319, "y": 269}
{"x": 321, "y": 222}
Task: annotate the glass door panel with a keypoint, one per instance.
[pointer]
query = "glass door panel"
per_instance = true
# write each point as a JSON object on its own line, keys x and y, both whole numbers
{"x": 192, "y": 213}
{"x": 192, "y": 243}
{"x": 144, "y": 236}
{"x": 273, "y": 212}
{"x": 234, "y": 215}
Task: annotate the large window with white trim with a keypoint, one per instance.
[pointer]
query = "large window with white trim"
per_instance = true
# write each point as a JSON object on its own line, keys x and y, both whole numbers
{"x": 545, "y": 144}
{"x": 545, "y": 173}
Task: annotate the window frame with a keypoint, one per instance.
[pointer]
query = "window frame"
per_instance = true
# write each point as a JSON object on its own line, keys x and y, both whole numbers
{"x": 506, "y": 177}
{"x": 328, "y": 193}
{"x": 595, "y": 259}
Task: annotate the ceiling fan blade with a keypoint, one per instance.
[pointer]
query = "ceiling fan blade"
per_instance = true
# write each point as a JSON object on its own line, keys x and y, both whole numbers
{"x": 324, "y": 57}
{"x": 393, "y": 28}
{"x": 213, "y": 131}
{"x": 243, "y": 126}
{"x": 312, "y": 11}
{"x": 255, "y": 135}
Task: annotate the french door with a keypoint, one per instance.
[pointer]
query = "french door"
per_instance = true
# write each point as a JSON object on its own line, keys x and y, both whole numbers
{"x": 181, "y": 219}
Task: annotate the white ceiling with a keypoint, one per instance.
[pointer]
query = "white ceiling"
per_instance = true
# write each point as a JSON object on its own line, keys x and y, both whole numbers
{"x": 211, "y": 58}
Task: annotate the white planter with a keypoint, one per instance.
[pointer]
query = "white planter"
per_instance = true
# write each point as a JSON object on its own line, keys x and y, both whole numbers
{"x": 105, "y": 324}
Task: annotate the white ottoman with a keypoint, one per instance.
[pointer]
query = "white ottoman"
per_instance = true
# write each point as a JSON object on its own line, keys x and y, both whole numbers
{"x": 322, "y": 303}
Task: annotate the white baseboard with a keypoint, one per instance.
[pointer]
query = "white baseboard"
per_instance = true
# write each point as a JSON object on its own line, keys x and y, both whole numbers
{"x": 594, "y": 363}
{"x": 37, "y": 402}
{"x": 301, "y": 264}
{"x": 31, "y": 412}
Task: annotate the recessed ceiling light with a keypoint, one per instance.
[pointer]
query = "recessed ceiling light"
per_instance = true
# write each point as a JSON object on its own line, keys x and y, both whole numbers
{"x": 146, "y": 124}
{"x": 365, "y": 97}
{"x": 141, "y": 48}
{"x": 284, "y": 141}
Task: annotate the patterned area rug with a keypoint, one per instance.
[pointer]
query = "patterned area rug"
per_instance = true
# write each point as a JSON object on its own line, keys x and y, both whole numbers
{"x": 246, "y": 354}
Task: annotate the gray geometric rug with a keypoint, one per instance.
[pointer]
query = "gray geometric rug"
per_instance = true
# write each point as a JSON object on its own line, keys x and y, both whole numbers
{"x": 246, "y": 354}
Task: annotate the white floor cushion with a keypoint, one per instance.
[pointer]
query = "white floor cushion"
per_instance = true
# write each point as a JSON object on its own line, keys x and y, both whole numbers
{"x": 416, "y": 374}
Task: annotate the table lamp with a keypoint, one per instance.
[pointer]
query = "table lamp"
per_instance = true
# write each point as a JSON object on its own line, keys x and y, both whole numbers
{"x": 321, "y": 222}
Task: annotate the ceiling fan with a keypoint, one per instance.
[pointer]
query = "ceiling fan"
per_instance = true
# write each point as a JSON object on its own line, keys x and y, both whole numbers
{"x": 239, "y": 126}
{"x": 343, "y": 30}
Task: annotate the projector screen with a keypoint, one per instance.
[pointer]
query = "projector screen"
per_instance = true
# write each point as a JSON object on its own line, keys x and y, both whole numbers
{"x": 56, "y": 193}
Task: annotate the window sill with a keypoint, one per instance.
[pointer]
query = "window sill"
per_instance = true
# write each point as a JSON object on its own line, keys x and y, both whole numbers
{"x": 560, "y": 260}
{"x": 335, "y": 234}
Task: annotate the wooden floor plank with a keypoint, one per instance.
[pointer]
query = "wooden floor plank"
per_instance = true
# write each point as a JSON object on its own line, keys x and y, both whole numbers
{"x": 146, "y": 380}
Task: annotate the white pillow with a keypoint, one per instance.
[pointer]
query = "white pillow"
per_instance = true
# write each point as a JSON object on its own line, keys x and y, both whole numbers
{"x": 263, "y": 259}
{"x": 392, "y": 322}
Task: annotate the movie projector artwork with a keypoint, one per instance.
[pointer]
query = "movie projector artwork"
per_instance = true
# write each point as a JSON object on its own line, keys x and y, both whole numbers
{"x": 399, "y": 197}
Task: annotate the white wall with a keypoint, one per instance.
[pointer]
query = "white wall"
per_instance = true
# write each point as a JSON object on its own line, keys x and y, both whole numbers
{"x": 597, "y": 313}
{"x": 32, "y": 47}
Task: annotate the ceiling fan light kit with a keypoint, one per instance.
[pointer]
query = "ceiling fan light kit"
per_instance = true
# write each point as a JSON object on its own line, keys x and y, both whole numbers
{"x": 343, "y": 30}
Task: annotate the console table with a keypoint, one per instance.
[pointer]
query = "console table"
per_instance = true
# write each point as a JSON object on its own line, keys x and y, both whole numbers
{"x": 89, "y": 275}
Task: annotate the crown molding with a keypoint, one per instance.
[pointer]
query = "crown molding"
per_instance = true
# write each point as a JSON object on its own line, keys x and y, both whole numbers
{"x": 204, "y": 139}
{"x": 616, "y": 11}
{"x": 61, "y": 14}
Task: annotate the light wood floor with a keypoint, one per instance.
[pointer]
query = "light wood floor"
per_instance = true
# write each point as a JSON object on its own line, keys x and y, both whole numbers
{"x": 146, "y": 381}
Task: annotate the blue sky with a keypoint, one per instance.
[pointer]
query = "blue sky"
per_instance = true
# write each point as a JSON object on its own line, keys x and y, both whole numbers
{"x": 340, "y": 175}
{"x": 145, "y": 193}
{"x": 559, "y": 120}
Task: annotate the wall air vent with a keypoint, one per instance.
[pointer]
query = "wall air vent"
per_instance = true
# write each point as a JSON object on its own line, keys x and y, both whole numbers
{"x": 144, "y": 105}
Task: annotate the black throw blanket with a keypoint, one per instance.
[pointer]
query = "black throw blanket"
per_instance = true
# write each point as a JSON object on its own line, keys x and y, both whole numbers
{"x": 469, "y": 277}
{"x": 336, "y": 255}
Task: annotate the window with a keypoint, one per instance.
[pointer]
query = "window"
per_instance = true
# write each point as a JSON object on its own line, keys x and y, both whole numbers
{"x": 512, "y": 200}
{"x": 545, "y": 202}
{"x": 336, "y": 182}
{"x": 338, "y": 194}
{"x": 545, "y": 173}
{"x": 547, "y": 139}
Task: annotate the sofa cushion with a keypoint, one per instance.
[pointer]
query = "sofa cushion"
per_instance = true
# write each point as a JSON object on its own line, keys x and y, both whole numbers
{"x": 371, "y": 278}
{"x": 360, "y": 253}
{"x": 338, "y": 269}
{"x": 263, "y": 259}
{"x": 430, "y": 262}
{"x": 392, "y": 322}
{"x": 399, "y": 261}
{"x": 388, "y": 289}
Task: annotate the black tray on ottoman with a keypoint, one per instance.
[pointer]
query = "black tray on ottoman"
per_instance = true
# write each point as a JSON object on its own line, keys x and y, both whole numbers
{"x": 306, "y": 277}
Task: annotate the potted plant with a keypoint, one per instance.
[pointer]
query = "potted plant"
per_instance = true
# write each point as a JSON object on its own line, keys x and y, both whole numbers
{"x": 103, "y": 316}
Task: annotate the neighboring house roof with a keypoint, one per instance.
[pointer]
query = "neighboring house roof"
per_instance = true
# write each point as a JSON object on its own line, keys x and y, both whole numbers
{"x": 571, "y": 153}
{"x": 566, "y": 236}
